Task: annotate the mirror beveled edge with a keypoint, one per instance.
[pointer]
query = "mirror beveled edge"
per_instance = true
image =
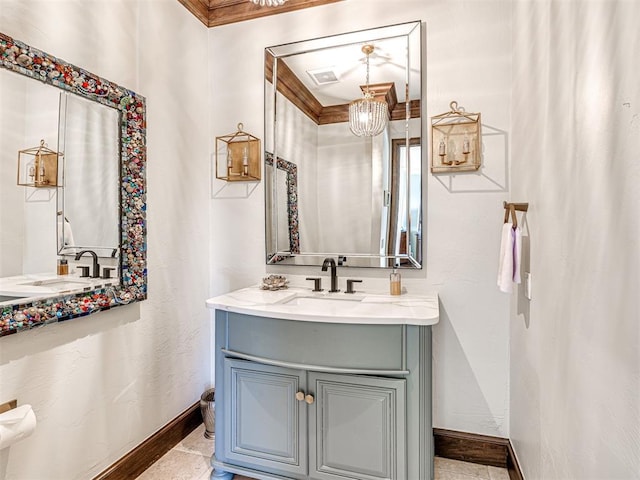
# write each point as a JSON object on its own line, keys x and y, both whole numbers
{"x": 292, "y": 257}
{"x": 18, "y": 57}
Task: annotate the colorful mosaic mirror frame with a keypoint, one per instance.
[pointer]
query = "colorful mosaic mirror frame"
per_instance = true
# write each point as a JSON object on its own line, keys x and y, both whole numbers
{"x": 25, "y": 60}
{"x": 291, "y": 169}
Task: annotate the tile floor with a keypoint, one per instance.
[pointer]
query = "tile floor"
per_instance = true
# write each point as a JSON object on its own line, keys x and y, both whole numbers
{"x": 189, "y": 460}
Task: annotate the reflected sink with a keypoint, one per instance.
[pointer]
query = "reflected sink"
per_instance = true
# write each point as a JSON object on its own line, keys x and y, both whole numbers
{"x": 57, "y": 284}
{"x": 324, "y": 302}
{"x": 10, "y": 298}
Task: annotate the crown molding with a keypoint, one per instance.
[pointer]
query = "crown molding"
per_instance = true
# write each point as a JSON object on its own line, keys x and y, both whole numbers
{"x": 213, "y": 13}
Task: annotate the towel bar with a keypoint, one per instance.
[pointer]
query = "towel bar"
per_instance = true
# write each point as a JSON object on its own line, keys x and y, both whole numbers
{"x": 510, "y": 208}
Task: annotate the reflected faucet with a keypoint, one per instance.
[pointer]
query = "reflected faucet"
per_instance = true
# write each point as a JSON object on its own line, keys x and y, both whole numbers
{"x": 330, "y": 262}
{"x": 96, "y": 266}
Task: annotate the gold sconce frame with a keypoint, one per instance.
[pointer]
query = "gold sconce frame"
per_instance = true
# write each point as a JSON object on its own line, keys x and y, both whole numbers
{"x": 238, "y": 157}
{"x": 38, "y": 167}
{"x": 455, "y": 141}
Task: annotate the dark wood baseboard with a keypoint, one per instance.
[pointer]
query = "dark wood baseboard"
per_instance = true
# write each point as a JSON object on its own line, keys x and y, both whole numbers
{"x": 475, "y": 448}
{"x": 148, "y": 452}
{"x": 467, "y": 447}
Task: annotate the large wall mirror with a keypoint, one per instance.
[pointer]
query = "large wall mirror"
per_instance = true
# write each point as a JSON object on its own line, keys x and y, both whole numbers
{"x": 86, "y": 192}
{"x": 328, "y": 191}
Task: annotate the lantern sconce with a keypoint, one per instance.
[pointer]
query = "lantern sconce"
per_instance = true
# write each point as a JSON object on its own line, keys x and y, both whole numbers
{"x": 238, "y": 157}
{"x": 455, "y": 141}
{"x": 38, "y": 167}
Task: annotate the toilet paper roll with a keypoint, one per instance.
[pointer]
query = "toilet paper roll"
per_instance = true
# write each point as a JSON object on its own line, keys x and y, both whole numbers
{"x": 16, "y": 424}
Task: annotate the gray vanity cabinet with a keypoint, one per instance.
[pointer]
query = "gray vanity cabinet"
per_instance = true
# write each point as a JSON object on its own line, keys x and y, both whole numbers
{"x": 354, "y": 424}
{"x": 266, "y": 424}
{"x": 356, "y": 427}
{"x": 321, "y": 401}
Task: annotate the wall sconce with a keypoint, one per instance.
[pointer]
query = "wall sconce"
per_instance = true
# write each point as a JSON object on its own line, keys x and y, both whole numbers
{"x": 238, "y": 157}
{"x": 455, "y": 141}
{"x": 38, "y": 167}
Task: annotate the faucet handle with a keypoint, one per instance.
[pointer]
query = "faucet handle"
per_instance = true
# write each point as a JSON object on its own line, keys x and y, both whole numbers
{"x": 84, "y": 271}
{"x": 106, "y": 271}
{"x": 317, "y": 282}
{"x": 350, "y": 283}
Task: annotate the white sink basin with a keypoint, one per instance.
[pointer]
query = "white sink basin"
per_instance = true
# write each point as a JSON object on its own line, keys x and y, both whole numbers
{"x": 58, "y": 284}
{"x": 324, "y": 302}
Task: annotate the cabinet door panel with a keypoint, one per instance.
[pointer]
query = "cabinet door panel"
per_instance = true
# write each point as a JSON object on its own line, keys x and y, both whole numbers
{"x": 357, "y": 427}
{"x": 266, "y": 425}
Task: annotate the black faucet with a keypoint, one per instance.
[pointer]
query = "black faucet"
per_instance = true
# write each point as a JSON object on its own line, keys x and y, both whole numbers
{"x": 330, "y": 262}
{"x": 96, "y": 266}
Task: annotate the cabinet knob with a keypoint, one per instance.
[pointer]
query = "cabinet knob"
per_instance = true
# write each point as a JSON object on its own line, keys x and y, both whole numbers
{"x": 300, "y": 396}
{"x": 309, "y": 399}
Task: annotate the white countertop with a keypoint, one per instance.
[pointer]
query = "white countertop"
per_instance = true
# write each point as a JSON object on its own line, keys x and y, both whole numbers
{"x": 360, "y": 308}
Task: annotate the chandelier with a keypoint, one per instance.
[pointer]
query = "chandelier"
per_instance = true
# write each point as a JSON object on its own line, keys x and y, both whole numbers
{"x": 269, "y": 3}
{"x": 368, "y": 116}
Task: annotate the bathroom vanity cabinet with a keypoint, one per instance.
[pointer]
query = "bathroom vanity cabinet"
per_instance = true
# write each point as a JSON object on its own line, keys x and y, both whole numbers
{"x": 322, "y": 400}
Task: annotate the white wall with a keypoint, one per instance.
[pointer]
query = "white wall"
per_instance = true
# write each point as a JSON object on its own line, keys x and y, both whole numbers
{"x": 575, "y": 348}
{"x": 101, "y": 384}
{"x": 468, "y": 59}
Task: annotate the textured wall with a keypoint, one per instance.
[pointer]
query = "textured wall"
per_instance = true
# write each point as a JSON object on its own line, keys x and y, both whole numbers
{"x": 468, "y": 59}
{"x": 575, "y": 361}
{"x": 100, "y": 385}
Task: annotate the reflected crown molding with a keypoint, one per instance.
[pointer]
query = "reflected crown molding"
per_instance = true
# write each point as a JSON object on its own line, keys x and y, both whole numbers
{"x": 296, "y": 92}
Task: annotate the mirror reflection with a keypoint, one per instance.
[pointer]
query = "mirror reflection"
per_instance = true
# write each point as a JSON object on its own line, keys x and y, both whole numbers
{"x": 334, "y": 190}
{"x": 80, "y": 210}
{"x": 28, "y": 115}
{"x": 88, "y": 214}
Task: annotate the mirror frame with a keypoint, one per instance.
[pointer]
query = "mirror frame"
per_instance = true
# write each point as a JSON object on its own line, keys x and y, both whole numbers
{"x": 272, "y": 87}
{"x": 20, "y": 58}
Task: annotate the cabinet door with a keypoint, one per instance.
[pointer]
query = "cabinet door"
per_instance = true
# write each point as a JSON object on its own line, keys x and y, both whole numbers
{"x": 266, "y": 427}
{"x": 357, "y": 427}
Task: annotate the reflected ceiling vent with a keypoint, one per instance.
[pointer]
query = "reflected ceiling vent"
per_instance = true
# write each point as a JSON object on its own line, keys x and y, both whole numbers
{"x": 323, "y": 76}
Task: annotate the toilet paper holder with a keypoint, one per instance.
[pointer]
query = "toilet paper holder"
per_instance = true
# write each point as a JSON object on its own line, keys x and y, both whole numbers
{"x": 16, "y": 424}
{"x": 10, "y": 405}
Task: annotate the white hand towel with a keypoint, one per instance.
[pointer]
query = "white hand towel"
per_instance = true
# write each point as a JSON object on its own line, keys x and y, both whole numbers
{"x": 517, "y": 253}
{"x": 65, "y": 235}
{"x": 505, "y": 267}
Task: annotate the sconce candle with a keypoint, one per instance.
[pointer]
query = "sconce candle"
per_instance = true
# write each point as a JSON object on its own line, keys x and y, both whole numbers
{"x": 465, "y": 145}
{"x": 442, "y": 149}
{"x": 245, "y": 162}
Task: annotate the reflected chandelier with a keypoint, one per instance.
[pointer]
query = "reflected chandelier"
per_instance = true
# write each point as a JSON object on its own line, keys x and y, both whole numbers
{"x": 269, "y": 3}
{"x": 368, "y": 116}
